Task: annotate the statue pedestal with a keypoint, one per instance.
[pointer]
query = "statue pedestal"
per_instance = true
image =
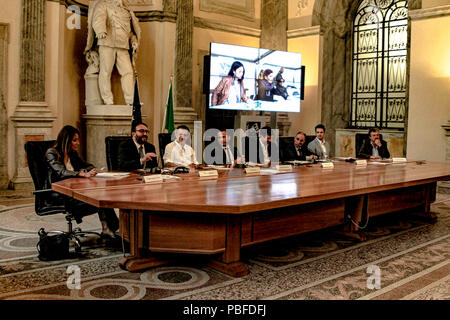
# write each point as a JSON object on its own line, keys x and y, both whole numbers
{"x": 33, "y": 121}
{"x": 102, "y": 121}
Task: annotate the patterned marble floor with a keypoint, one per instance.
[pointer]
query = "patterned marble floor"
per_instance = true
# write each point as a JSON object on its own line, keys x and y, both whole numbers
{"x": 404, "y": 257}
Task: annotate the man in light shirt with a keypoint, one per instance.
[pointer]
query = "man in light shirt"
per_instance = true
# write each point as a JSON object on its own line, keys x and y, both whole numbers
{"x": 178, "y": 152}
{"x": 319, "y": 146}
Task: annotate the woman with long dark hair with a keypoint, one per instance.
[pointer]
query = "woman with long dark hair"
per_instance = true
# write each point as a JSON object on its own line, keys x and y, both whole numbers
{"x": 63, "y": 162}
{"x": 231, "y": 88}
{"x": 266, "y": 86}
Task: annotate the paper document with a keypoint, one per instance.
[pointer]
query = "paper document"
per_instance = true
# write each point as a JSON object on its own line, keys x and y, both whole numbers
{"x": 218, "y": 167}
{"x": 379, "y": 163}
{"x": 112, "y": 174}
{"x": 269, "y": 171}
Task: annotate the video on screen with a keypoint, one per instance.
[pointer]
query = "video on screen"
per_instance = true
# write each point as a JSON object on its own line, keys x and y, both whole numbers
{"x": 254, "y": 79}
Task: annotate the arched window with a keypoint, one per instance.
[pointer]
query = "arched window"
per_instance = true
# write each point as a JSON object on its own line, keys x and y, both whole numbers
{"x": 380, "y": 33}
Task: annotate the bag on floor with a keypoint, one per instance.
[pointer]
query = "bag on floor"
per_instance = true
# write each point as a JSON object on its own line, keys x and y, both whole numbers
{"x": 52, "y": 247}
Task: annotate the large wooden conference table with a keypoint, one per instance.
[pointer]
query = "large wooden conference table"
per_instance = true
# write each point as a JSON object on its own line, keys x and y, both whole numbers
{"x": 217, "y": 217}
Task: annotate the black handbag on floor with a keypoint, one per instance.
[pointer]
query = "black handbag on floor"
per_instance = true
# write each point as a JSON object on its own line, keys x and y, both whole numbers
{"x": 52, "y": 247}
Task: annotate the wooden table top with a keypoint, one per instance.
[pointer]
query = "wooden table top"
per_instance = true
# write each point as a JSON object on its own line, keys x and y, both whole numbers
{"x": 236, "y": 192}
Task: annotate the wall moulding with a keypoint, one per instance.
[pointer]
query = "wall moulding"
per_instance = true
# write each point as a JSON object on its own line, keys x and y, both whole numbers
{"x": 215, "y": 25}
{"x": 244, "y": 9}
{"x": 429, "y": 13}
{"x": 145, "y": 10}
{"x": 303, "y": 32}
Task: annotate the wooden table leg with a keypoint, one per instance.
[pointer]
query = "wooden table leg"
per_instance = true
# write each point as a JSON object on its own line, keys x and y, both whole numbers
{"x": 430, "y": 197}
{"x": 136, "y": 261}
{"x": 355, "y": 209}
{"x": 229, "y": 262}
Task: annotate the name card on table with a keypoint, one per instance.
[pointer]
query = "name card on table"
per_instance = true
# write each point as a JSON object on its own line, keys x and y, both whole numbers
{"x": 327, "y": 165}
{"x": 209, "y": 173}
{"x": 153, "y": 178}
{"x": 254, "y": 170}
{"x": 398, "y": 160}
{"x": 284, "y": 168}
{"x": 361, "y": 162}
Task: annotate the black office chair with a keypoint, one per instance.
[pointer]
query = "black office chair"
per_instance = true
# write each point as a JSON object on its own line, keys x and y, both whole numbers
{"x": 112, "y": 151}
{"x": 47, "y": 201}
{"x": 163, "y": 139}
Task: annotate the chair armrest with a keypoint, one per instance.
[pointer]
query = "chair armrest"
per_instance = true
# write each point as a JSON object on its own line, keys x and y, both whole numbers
{"x": 42, "y": 191}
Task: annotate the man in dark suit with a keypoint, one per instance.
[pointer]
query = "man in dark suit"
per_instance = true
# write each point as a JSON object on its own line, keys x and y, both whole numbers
{"x": 297, "y": 150}
{"x": 259, "y": 148}
{"x": 229, "y": 155}
{"x": 136, "y": 153}
{"x": 374, "y": 147}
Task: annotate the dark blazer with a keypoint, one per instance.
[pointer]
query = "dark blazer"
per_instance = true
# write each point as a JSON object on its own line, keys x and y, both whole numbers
{"x": 259, "y": 151}
{"x": 129, "y": 158}
{"x": 57, "y": 170}
{"x": 289, "y": 153}
{"x": 366, "y": 150}
{"x": 223, "y": 159}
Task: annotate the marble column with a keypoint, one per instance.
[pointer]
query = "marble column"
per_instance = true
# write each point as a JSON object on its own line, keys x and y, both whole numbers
{"x": 3, "y": 114}
{"x": 32, "y": 118}
{"x": 274, "y": 21}
{"x": 184, "y": 112}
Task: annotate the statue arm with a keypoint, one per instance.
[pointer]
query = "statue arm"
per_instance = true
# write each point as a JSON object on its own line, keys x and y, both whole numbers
{"x": 99, "y": 19}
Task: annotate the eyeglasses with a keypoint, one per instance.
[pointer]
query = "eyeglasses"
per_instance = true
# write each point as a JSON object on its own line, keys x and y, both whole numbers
{"x": 142, "y": 131}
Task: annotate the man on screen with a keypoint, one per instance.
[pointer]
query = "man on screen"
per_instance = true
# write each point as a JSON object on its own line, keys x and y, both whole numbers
{"x": 280, "y": 89}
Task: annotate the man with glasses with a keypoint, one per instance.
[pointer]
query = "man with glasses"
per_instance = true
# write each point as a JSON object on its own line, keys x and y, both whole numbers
{"x": 137, "y": 153}
{"x": 179, "y": 152}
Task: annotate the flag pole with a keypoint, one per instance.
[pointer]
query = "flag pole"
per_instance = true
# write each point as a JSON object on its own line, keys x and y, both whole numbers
{"x": 167, "y": 101}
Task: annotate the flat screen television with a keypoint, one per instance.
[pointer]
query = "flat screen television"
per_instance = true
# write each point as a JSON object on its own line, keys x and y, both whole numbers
{"x": 253, "y": 79}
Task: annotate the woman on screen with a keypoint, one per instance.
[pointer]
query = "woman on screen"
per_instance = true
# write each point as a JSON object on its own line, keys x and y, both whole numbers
{"x": 265, "y": 86}
{"x": 231, "y": 88}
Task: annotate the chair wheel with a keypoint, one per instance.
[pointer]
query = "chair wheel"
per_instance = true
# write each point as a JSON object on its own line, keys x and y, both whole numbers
{"x": 77, "y": 230}
{"x": 77, "y": 249}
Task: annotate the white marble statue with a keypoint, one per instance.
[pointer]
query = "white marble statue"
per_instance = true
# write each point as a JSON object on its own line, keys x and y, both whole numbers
{"x": 114, "y": 28}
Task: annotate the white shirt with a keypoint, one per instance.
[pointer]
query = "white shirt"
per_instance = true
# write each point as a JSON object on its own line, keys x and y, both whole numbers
{"x": 324, "y": 149}
{"x": 265, "y": 152}
{"x": 178, "y": 154}
{"x": 138, "y": 146}
{"x": 374, "y": 150}
{"x": 229, "y": 155}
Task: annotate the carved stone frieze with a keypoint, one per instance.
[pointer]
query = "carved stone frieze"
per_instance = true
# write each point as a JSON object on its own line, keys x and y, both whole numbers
{"x": 244, "y": 9}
